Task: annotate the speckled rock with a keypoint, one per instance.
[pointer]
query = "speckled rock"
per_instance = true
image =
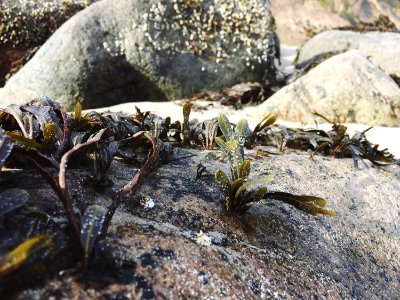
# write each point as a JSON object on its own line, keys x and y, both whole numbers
{"x": 347, "y": 85}
{"x": 270, "y": 252}
{"x": 25, "y": 25}
{"x": 298, "y": 20}
{"x": 25, "y": 22}
{"x": 382, "y": 48}
{"x": 118, "y": 51}
{"x": 364, "y": 10}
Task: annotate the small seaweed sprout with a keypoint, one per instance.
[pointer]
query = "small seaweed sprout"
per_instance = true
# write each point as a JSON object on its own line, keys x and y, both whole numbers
{"x": 236, "y": 188}
{"x": 239, "y": 191}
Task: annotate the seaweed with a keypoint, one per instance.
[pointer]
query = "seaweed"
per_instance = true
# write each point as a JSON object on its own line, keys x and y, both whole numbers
{"x": 63, "y": 147}
{"x": 10, "y": 199}
{"x": 24, "y": 255}
{"x": 204, "y": 133}
{"x": 187, "y": 107}
{"x": 44, "y": 136}
{"x": 336, "y": 142}
{"x": 382, "y": 24}
{"x": 5, "y": 148}
{"x": 91, "y": 228}
{"x": 240, "y": 192}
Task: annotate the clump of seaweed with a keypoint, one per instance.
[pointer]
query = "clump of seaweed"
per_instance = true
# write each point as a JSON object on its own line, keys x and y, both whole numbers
{"x": 238, "y": 189}
{"x": 45, "y": 136}
{"x": 336, "y": 142}
{"x": 40, "y": 135}
{"x": 382, "y": 24}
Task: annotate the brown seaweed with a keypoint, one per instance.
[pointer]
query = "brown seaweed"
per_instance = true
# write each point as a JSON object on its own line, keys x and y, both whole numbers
{"x": 240, "y": 192}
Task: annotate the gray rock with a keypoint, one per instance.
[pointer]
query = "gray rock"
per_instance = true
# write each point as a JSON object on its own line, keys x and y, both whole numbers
{"x": 271, "y": 251}
{"x": 348, "y": 85}
{"x": 128, "y": 50}
{"x": 27, "y": 23}
{"x": 382, "y": 48}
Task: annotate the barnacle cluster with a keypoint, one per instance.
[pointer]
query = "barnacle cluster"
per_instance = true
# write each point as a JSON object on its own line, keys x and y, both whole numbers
{"x": 28, "y": 23}
{"x": 215, "y": 30}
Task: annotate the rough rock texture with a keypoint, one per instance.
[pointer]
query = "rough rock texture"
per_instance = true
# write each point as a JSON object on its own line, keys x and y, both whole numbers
{"x": 116, "y": 51}
{"x": 297, "y": 20}
{"x": 25, "y": 25}
{"x": 382, "y": 48}
{"x": 347, "y": 85}
{"x": 365, "y": 10}
{"x": 270, "y": 252}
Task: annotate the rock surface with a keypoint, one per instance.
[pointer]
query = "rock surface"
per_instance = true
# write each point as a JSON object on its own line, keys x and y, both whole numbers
{"x": 297, "y": 20}
{"x": 25, "y": 25}
{"x": 270, "y": 252}
{"x": 348, "y": 85}
{"x": 118, "y": 51}
{"x": 382, "y": 48}
{"x": 365, "y": 10}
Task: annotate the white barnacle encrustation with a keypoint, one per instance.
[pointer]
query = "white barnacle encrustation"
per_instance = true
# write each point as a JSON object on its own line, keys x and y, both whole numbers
{"x": 219, "y": 30}
{"x": 203, "y": 240}
{"x": 147, "y": 202}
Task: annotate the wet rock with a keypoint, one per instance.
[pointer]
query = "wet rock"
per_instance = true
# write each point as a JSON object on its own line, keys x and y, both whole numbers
{"x": 118, "y": 51}
{"x": 271, "y": 251}
{"x": 381, "y": 48}
{"x": 347, "y": 85}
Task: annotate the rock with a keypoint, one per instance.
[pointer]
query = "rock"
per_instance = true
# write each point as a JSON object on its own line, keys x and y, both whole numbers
{"x": 25, "y": 25}
{"x": 271, "y": 251}
{"x": 347, "y": 85}
{"x": 298, "y": 20}
{"x": 365, "y": 10}
{"x": 128, "y": 50}
{"x": 382, "y": 48}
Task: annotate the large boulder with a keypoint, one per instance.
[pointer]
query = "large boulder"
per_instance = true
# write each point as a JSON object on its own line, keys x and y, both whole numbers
{"x": 179, "y": 244}
{"x": 382, "y": 48}
{"x": 25, "y": 25}
{"x": 348, "y": 85}
{"x": 118, "y": 51}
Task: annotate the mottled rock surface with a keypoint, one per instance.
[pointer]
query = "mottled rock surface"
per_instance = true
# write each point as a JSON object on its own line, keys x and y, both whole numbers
{"x": 365, "y": 10}
{"x": 381, "y": 48}
{"x": 298, "y": 20}
{"x": 128, "y": 50}
{"x": 25, "y": 25}
{"x": 347, "y": 85}
{"x": 270, "y": 252}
